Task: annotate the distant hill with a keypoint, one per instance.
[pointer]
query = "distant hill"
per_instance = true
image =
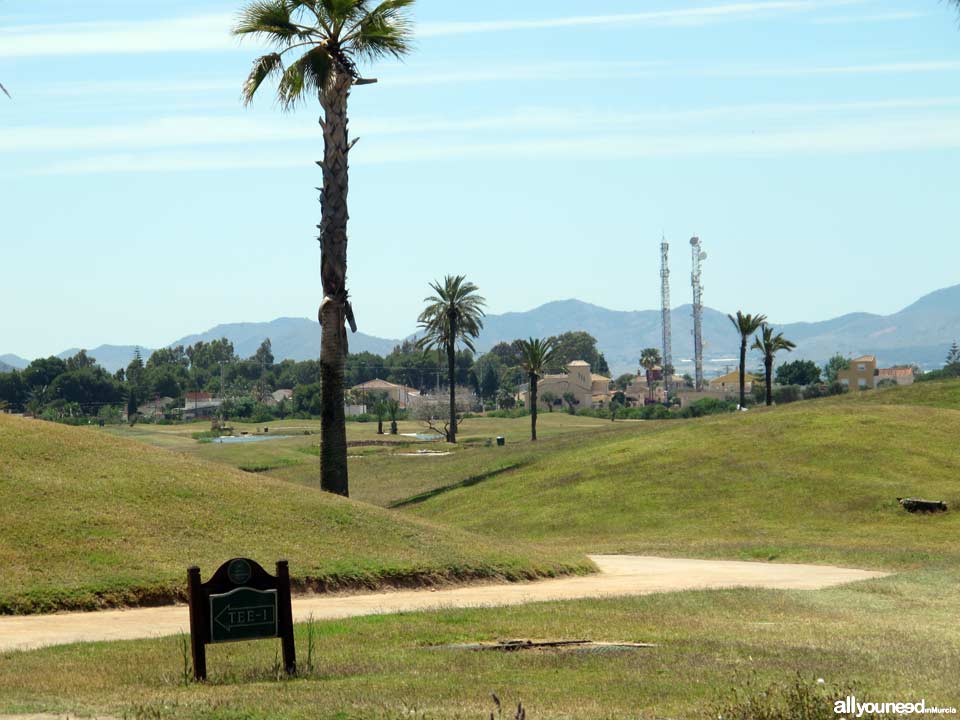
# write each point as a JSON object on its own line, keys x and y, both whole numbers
{"x": 291, "y": 338}
{"x": 110, "y": 357}
{"x": 4, "y": 368}
{"x": 920, "y": 333}
{"x": 14, "y": 361}
{"x": 621, "y": 335}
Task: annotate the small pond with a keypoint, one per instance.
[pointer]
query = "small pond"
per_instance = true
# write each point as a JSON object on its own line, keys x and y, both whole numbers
{"x": 248, "y": 439}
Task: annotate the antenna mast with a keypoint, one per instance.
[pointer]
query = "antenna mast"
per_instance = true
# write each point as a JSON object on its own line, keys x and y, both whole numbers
{"x": 665, "y": 309}
{"x": 698, "y": 257}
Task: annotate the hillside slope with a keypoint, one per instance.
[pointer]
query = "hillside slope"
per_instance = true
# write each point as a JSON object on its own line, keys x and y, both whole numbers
{"x": 90, "y": 520}
{"x": 810, "y": 482}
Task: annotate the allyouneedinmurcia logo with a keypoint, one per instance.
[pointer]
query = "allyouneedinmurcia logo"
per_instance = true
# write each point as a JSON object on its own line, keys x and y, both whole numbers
{"x": 850, "y": 707}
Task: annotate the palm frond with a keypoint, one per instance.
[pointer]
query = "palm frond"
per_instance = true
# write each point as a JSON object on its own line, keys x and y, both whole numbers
{"x": 263, "y": 67}
{"x": 453, "y": 314}
{"x": 770, "y": 344}
{"x": 304, "y": 78}
{"x": 271, "y": 19}
{"x": 4, "y": 90}
{"x": 386, "y": 31}
{"x": 747, "y": 324}
{"x": 536, "y": 355}
{"x": 341, "y": 12}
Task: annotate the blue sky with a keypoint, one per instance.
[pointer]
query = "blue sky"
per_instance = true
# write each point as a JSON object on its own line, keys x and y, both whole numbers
{"x": 539, "y": 147}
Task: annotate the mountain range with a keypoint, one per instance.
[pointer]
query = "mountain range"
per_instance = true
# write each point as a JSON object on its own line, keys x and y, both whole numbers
{"x": 920, "y": 333}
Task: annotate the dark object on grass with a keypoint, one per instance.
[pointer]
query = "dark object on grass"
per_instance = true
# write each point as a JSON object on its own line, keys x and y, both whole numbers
{"x": 501, "y": 441}
{"x": 917, "y": 505}
{"x": 518, "y": 645}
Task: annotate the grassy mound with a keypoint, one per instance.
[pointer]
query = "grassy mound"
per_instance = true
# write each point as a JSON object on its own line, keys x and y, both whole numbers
{"x": 812, "y": 482}
{"x": 943, "y": 394}
{"x": 94, "y": 521}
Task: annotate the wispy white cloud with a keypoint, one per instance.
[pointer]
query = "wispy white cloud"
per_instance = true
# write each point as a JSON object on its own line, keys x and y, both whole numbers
{"x": 830, "y": 127}
{"x": 889, "y": 68}
{"x": 921, "y": 134}
{"x": 211, "y": 32}
{"x": 870, "y": 18}
{"x": 694, "y": 16}
{"x": 225, "y": 91}
{"x": 166, "y": 35}
{"x": 250, "y": 131}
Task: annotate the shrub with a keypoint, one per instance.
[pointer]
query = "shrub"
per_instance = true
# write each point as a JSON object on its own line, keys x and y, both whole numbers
{"x": 787, "y": 394}
{"x": 657, "y": 412}
{"x": 812, "y": 392}
{"x": 838, "y": 388}
{"x": 711, "y": 406}
{"x": 509, "y": 414}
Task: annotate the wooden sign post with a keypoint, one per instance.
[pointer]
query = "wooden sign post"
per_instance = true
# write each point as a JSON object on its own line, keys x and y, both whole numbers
{"x": 242, "y": 601}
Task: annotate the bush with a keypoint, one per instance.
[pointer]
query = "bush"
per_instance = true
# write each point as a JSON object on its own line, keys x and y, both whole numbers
{"x": 759, "y": 393}
{"x": 657, "y": 412}
{"x": 709, "y": 406}
{"x": 812, "y": 392}
{"x": 262, "y": 414}
{"x": 787, "y": 394}
{"x": 838, "y": 388}
{"x": 509, "y": 414}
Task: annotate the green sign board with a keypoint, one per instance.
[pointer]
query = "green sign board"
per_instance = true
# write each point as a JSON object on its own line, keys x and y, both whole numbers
{"x": 243, "y": 614}
{"x": 241, "y": 601}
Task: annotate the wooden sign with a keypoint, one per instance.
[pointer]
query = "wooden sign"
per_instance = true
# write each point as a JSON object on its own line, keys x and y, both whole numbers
{"x": 242, "y": 601}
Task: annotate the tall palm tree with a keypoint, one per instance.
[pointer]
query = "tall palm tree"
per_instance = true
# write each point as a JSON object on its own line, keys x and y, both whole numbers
{"x": 536, "y": 357}
{"x": 454, "y": 313}
{"x": 746, "y": 325}
{"x": 649, "y": 359}
{"x": 329, "y": 38}
{"x": 770, "y": 344}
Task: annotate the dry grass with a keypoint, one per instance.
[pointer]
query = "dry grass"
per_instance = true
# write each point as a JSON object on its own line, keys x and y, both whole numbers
{"x": 89, "y": 521}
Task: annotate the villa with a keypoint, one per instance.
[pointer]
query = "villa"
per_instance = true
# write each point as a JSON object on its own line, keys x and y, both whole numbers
{"x": 589, "y": 390}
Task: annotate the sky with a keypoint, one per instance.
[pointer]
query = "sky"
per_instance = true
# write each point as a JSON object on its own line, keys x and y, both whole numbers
{"x": 541, "y": 148}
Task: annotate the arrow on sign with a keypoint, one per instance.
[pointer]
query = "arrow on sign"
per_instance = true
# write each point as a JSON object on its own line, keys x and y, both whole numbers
{"x": 231, "y": 618}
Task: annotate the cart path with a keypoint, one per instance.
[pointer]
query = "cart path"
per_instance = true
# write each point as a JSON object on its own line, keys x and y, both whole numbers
{"x": 620, "y": 575}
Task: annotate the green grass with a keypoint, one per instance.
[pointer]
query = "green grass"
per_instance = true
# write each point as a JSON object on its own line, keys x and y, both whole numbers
{"x": 895, "y": 637}
{"x": 381, "y": 475}
{"x": 91, "y": 520}
{"x": 811, "y": 482}
{"x": 943, "y": 394}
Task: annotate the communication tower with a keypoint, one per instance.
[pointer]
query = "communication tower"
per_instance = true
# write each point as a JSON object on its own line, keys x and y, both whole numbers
{"x": 698, "y": 257}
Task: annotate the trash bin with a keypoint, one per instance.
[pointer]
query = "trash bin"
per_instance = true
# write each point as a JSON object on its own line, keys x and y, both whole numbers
{"x": 501, "y": 441}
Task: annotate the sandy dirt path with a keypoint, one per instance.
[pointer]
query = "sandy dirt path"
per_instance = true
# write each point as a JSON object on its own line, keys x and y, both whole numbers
{"x": 620, "y": 575}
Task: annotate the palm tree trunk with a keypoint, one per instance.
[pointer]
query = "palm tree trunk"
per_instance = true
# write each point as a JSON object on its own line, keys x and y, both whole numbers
{"x": 333, "y": 274}
{"x": 743, "y": 371}
{"x": 452, "y": 372}
{"x": 533, "y": 407}
{"x": 768, "y": 367}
